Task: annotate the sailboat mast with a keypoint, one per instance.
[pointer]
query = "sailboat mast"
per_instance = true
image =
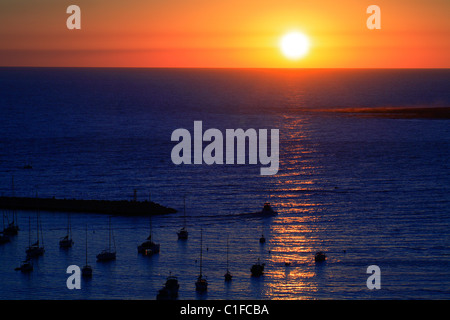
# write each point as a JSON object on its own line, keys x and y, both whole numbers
{"x": 37, "y": 227}
{"x": 14, "y": 213}
{"x": 184, "y": 206}
{"x": 40, "y": 227}
{"x": 201, "y": 251}
{"x": 109, "y": 234}
{"x": 227, "y": 253}
{"x": 86, "y": 244}
{"x": 69, "y": 229}
{"x": 29, "y": 231}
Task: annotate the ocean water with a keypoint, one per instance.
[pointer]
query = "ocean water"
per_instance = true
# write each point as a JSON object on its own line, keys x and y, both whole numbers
{"x": 365, "y": 190}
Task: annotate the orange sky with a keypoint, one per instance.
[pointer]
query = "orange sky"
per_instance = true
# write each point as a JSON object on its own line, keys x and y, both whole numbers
{"x": 232, "y": 33}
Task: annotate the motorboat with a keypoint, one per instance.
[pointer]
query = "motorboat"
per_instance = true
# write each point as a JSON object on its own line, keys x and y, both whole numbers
{"x": 183, "y": 234}
{"x": 267, "y": 210}
{"x": 170, "y": 289}
{"x": 262, "y": 239}
{"x": 257, "y": 269}
{"x": 320, "y": 256}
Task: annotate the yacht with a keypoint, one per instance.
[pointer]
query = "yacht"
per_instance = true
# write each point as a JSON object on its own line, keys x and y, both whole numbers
{"x": 170, "y": 289}
{"x": 320, "y": 256}
{"x": 228, "y": 276}
{"x": 262, "y": 239}
{"x": 26, "y": 266}
{"x": 257, "y": 269}
{"x": 267, "y": 210}
{"x": 36, "y": 249}
{"x": 86, "y": 271}
{"x": 108, "y": 254}
{"x": 183, "y": 233}
{"x": 66, "y": 241}
{"x": 201, "y": 285}
{"x": 148, "y": 247}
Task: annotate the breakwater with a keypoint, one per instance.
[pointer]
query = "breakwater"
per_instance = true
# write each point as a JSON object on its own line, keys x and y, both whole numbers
{"x": 115, "y": 207}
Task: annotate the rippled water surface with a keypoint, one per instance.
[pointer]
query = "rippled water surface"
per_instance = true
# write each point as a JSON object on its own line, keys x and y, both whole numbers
{"x": 365, "y": 190}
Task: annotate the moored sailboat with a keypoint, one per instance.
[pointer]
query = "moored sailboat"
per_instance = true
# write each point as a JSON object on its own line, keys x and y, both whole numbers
{"x": 26, "y": 266}
{"x": 201, "y": 285}
{"x": 228, "y": 276}
{"x": 86, "y": 271}
{"x": 108, "y": 254}
{"x": 66, "y": 241}
{"x": 183, "y": 233}
{"x": 170, "y": 289}
{"x": 149, "y": 247}
{"x": 36, "y": 249}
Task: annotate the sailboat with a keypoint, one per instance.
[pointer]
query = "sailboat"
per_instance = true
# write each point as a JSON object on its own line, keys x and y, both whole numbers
{"x": 4, "y": 238}
{"x": 108, "y": 254}
{"x": 228, "y": 275}
{"x": 67, "y": 242}
{"x": 86, "y": 271}
{"x": 35, "y": 249}
{"x": 148, "y": 247}
{"x": 170, "y": 289}
{"x": 26, "y": 266}
{"x": 12, "y": 229}
{"x": 201, "y": 285}
{"x": 183, "y": 233}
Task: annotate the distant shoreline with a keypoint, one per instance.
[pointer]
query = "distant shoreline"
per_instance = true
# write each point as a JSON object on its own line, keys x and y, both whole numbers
{"x": 114, "y": 207}
{"x": 397, "y": 112}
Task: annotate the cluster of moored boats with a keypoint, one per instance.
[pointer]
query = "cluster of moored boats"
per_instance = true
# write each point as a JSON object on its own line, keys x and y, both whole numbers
{"x": 146, "y": 248}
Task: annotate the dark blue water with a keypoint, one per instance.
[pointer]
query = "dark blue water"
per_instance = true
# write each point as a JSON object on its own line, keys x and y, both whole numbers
{"x": 377, "y": 188}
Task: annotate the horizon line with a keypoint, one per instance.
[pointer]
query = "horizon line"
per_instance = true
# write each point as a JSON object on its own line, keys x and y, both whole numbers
{"x": 253, "y": 68}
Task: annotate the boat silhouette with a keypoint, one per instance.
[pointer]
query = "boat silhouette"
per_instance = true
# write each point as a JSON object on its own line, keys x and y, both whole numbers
{"x": 201, "y": 285}
{"x": 108, "y": 254}
{"x": 149, "y": 247}
{"x": 66, "y": 241}
{"x": 26, "y": 266}
{"x": 170, "y": 289}
{"x": 183, "y": 233}
{"x": 36, "y": 249}
{"x": 257, "y": 269}
{"x": 86, "y": 271}
{"x": 227, "y": 275}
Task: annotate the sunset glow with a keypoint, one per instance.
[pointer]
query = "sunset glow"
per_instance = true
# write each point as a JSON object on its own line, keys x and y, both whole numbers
{"x": 294, "y": 45}
{"x": 218, "y": 34}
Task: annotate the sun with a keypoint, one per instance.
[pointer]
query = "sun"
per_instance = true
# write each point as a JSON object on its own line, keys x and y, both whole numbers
{"x": 294, "y": 45}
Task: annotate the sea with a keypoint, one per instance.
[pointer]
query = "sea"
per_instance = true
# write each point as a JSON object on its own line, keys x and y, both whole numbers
{"x": 366, "y": 190}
